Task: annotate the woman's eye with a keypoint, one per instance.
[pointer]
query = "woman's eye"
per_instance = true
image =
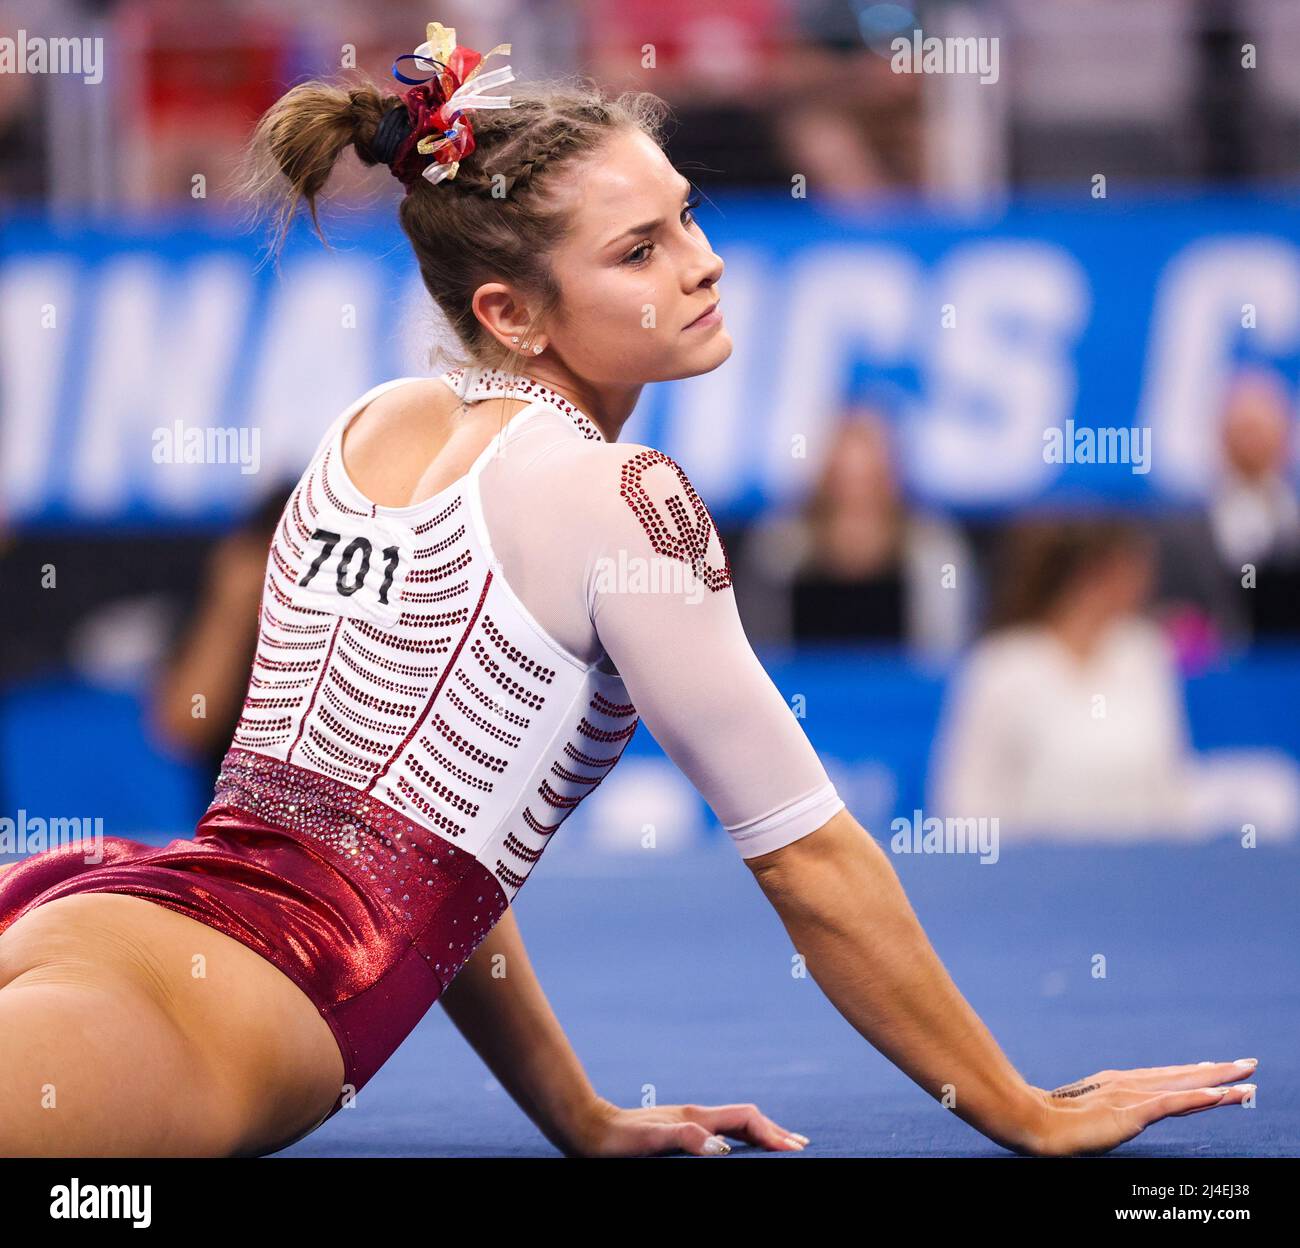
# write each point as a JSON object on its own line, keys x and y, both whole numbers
{"x": 646, "y": 248}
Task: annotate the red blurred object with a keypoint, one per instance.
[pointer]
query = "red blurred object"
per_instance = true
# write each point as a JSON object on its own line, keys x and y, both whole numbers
{"x": 193, "y": 71}
{"x": 740, "y": 41}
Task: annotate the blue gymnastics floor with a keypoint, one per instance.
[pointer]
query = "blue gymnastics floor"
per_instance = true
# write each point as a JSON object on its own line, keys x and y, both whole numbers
{"x": 675, "y": 972}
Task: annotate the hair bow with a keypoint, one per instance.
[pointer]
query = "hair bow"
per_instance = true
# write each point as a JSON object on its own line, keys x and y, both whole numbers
{"x": 436, "y": 104}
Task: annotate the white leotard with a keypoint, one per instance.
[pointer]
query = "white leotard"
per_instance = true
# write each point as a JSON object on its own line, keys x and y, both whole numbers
{"x": 479, "y": 660}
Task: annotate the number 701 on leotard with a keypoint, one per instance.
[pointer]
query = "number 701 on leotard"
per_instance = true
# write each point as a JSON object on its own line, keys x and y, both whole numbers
{"x": 354, "y": 574}
{"x": 343, "y": 572}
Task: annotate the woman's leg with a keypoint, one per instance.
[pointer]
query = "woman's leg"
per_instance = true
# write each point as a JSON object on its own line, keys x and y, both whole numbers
{"x": 92, "y": 1071}
{"x": 128, "y": 1028}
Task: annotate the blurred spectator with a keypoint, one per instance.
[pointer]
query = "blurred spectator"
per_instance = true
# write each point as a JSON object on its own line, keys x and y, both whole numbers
{"x": 22, "y": 136}
{"x": 856, "y": 564}
{"x": 1068, "y": 718}
{"x": 1250, "y": 528}
{"x": 711, "y": 60}
{"x": 825, "y": 141}
{"x": 840, "y": 115}
{"x": 765, "y": 90}
{"x": 212, "y": 656}
{"x": 202, "y": 84}
{"x": 1254, "y": 513}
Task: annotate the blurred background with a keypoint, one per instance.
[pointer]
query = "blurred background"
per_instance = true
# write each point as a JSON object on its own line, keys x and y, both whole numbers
{"x": 1005, "y": 459}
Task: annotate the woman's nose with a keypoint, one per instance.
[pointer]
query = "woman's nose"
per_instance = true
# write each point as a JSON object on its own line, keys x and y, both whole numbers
{"x": 709, "y": 271}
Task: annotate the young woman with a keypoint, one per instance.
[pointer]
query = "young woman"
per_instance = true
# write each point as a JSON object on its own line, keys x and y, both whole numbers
{"x": 1024, "y": 734}
{"x": 474, "y": 594}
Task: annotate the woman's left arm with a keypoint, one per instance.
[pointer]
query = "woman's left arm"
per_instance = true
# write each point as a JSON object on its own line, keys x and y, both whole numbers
{"x": 498, "y": 1005}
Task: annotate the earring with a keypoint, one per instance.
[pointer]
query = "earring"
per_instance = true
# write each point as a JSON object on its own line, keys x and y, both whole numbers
{"x": 537, "y": 349}
{"x": 514, "y": 337}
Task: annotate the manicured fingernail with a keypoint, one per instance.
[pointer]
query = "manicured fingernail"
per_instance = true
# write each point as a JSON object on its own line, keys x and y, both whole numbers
{"x": 1243, "y": 1087}
{"x": 1214, "y": 1091}
{"x": 1207, "y": 1063}
{"x": 803, "y": 1139}
{"x": 716, "y": 1145}
{"x": 790, "y": 1139}
{"x": 1246, "y": 1061}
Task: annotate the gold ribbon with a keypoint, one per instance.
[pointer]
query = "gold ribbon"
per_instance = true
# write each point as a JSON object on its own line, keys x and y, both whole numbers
{"x": 440, "y": 43}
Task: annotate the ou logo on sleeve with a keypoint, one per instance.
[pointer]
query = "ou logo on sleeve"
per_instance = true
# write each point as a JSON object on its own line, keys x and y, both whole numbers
{"x": 674, "y": 516}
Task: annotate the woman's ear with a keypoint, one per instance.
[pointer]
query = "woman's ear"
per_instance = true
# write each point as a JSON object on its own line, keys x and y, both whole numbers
{"x": 501, "y": 313}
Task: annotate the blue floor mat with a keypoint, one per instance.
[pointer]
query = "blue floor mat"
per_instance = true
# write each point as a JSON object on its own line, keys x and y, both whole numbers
{"x": 672, "y": 973}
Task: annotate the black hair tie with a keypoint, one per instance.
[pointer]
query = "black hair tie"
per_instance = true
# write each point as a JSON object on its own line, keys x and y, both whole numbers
{"x": 393, "y": 129}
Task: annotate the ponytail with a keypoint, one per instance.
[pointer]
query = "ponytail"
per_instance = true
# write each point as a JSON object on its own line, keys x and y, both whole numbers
{"x": 300, "y": 138}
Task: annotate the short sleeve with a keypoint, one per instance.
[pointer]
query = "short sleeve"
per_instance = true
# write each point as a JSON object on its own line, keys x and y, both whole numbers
{"x": 660, "y": 597}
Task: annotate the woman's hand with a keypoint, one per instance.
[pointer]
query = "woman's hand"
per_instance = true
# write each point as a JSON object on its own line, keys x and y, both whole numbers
{"x": 698, "y": 1129}
{"x": 1094, "y": 1115}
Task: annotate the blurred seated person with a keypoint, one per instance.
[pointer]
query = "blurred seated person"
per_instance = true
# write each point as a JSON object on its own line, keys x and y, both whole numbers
{"x": 213, "y": 654}
{"x": 1254, "y": 513}
{"x": 1068, "y": 717}
{"x": 855, "y": 564}
{"x": 1252, "y": 520}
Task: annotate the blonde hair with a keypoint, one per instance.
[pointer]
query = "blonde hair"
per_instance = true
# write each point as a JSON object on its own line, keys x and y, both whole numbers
{"x": 492, "y": 222}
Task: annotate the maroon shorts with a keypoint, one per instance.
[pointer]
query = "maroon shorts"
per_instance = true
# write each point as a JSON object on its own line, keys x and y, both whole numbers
{"x": 368, "y": 913}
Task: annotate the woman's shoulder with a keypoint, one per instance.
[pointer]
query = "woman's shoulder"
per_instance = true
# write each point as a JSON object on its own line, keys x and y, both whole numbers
{"x": 401, "y": 405}
{"x": 631, "y": 477}
{"x": 403, "y": 401}
{"x": 632, "y": 497}
{"x": 616, "y": 474}
{"x": 1010, "y": 643}
{"x": 392, "y": 433}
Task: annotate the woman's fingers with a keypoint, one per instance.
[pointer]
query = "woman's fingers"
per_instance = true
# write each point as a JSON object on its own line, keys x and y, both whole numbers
{"x": 692, "y": 1137}
{"x": 1237, "y": 1094}
{"x": 747, "y": 1123}
{"x": 1198, "y": 1075}
{"x": 1177, "y": 1103}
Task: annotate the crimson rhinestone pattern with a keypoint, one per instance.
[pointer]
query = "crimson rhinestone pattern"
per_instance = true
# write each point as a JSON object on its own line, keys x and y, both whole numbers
{"x": 402, "y": 863}
{"x": 493, "y": 382}
{"x": 677, "y": 522}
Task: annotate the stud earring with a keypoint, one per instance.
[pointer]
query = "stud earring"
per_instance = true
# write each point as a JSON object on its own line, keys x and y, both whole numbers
{"x": 537, "y": 349}
{"x": 514, "y": 337}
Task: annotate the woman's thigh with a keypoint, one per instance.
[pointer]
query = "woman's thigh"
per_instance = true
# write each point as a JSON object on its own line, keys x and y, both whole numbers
{"x": 101, "y": 1071}
{"x": 240, "y": 1057}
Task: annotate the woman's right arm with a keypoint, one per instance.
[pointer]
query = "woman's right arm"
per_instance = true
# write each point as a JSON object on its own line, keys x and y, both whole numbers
{"x": 706, "y": 698}
{"x": 842, "y": 904}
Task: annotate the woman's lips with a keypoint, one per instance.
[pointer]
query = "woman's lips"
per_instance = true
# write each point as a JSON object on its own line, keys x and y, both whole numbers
{"x": 711, "y": 317}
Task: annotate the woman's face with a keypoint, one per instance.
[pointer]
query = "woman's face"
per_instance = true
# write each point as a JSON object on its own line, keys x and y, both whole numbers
{"x": 634, "y": 270}
{"x": 1122, "y": 580}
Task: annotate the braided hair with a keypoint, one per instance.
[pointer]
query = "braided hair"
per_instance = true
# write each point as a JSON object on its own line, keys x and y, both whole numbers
{"x": 494, "y": 221}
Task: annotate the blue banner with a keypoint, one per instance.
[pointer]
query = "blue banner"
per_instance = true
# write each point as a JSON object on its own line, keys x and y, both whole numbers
{"x": 1063, "y": 351}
